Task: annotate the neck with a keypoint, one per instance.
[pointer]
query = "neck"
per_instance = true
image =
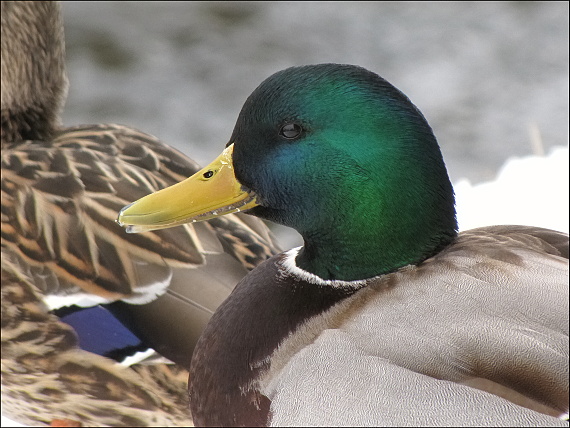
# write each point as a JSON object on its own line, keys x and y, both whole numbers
{"x": 330, "y": 259}
{"x": 234, "y": 354}
{"x": 379, "y": 235}
{"x": 34, "y": 84}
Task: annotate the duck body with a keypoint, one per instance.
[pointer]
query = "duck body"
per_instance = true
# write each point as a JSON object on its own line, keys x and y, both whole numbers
{"x": 367, "y": 353}
{"x": 385, "y": 316}
{"x": 60, "y": 198}
{"x": 61, "y": 189}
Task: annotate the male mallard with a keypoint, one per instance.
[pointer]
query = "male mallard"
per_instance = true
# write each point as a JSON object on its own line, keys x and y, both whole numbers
{"x": 61, "y": 189}
{"x": 386, "y": 316}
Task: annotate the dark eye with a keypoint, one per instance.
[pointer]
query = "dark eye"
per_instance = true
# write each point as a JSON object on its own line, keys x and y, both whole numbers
{"x": 208, "y": 174}
{"x": 290, "y": 131}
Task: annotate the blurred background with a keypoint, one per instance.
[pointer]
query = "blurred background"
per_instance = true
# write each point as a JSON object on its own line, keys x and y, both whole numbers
{"x": 491, "y": 78}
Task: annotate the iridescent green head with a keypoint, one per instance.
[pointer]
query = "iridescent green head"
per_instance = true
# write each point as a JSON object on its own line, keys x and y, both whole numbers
{"x": 346, "y": 159}
{"x": 342, "y": 156}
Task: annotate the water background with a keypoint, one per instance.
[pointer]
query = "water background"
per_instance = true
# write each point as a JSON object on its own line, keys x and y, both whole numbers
{"x": 484, "y": 74}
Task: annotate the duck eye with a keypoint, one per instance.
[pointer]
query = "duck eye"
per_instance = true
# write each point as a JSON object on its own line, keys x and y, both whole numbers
{"x": 290, "y": 130}
{"x": 208, "y": 174}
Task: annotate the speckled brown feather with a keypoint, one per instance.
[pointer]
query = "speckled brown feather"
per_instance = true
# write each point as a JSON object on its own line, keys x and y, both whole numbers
{"x": 60, "y": 199}
{"x": 45, "y": 376}
{"x": 61, "y": 191}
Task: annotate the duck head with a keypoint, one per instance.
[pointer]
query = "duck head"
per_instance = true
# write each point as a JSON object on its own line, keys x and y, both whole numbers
{"x": 34, "y": 81}
{"x": 339, "y": 154}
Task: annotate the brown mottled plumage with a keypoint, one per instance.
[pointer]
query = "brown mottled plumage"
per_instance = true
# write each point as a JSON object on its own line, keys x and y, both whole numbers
{"x": 61, "y": 191}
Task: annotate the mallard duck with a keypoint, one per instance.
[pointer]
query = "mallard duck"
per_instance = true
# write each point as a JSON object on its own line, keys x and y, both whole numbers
{"x": 61, "y": 189}
{"x": 386, "y": 315}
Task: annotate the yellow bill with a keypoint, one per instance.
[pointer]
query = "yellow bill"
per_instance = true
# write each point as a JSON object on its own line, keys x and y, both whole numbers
{"x": 211, "y": 192}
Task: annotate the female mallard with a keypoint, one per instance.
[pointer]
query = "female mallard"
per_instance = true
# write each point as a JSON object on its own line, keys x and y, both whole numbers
{"x": 386, "y": 316}
{"x": 61, "y": 189}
